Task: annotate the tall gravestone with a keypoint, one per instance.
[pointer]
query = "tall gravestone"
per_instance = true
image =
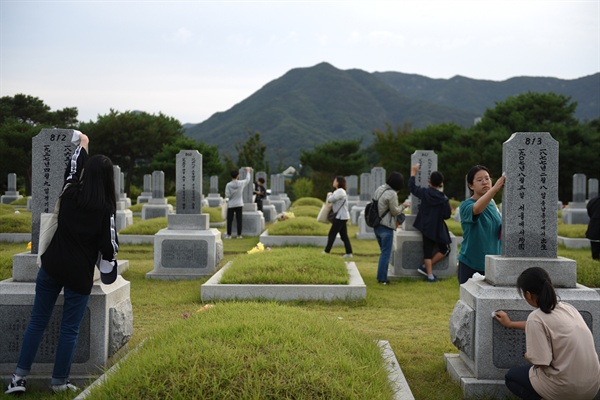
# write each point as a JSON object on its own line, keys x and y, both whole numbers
{"x": 122, "y": 195}
{"x": 146, "y": 194}
{"x": 11, "y": 193}
{"x": 275, "y": 198}
{"x": 592, "y": 188}
{"x": 377, "y": 177}
{"x": 188, "y": 248}
{"x": 407, "y": 253}
{"x": 157, "y": 206}
{"x": 253, "y": 221}
{"x": 352, "y": 192}
{"x": 214, "y": 197}
{"x": 575, "y": 212}
{"x": 124, "y": 214}
{"x": 364, "y": 197}
{"x": 108, "y": 322}
{"x": 529, "y": 235}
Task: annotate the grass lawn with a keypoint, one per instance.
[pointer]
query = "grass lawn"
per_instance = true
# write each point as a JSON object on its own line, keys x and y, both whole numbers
{"x": 198, "y": 346}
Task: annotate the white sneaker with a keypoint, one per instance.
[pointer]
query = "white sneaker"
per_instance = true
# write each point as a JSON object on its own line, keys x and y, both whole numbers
{"x": 64, "y": 388}
{"x": 16, "y": 385}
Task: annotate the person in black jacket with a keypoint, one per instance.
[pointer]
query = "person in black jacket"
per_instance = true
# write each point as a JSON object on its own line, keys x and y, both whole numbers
{"x": 434, "y": 209}
{"x": 593, "y": 229}
{"x": 261, "y": 192}
{"x": 85, "y": 236}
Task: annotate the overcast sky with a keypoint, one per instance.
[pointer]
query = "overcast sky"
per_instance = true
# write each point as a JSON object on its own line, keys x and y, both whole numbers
{"x": 190, "y": 59}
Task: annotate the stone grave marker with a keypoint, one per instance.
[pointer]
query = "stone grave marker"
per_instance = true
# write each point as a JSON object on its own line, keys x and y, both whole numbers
{"x": 592, "y": 188}
{"x": 529, "y": 226}
{"x": 576, "y": 213}
{"x": 529, "y": 223}
{"x": 11, "y": 193}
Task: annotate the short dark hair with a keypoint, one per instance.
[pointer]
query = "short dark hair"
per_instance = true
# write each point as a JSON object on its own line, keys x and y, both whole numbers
{"x": 436, "y": 178}
{"x": 235, "y": 173}
{"x": 261, "y": 179}
{"x": 395, "y": 180}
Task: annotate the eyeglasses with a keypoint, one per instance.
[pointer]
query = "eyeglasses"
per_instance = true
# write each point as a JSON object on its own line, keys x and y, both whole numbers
{"x": 484, "y": 179}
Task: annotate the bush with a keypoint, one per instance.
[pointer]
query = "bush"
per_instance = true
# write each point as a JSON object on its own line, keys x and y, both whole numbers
{"x": 303, "y": 187}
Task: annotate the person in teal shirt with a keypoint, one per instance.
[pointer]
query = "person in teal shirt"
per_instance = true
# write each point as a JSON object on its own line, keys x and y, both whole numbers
{"x": 481, "y": 223}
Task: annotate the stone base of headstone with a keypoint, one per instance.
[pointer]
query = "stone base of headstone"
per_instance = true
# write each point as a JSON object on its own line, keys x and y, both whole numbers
{"x": 25, "y": 268}
{"x": 215, "y": 200}
{"x": 282, "y": 197}
{"x": 106, "y": 328}
{"x": 575, "y": 213}
{"x": 124, "y": 218}
{"x": 407, "y": 256}
{"x": 364, "y": 231}
{"x": 126, "y": 201}
{"x": 278, "y": 204}
{"x": 186, "y": 254}
{"x": 269, "y": 212}
{"x": 356, "y": 212}
{"x": 144, "y": 197}
{"x": 9, "y": 197}
{"x": 253, "y": 221}
{"x": 150, "y": 210}
{"x": 487, "y": 349}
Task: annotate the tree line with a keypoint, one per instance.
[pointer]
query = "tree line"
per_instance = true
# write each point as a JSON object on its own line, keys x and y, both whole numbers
{"x": 141, "y": 143}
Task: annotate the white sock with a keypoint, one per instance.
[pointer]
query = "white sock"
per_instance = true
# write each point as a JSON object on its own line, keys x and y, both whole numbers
{"x": 430, "y": 276}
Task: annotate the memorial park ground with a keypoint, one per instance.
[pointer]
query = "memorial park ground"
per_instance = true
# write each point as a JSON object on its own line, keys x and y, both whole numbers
{"x": 410, "y": 313}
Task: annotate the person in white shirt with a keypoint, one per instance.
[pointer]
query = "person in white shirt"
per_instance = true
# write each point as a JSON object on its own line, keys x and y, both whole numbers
{"x": 339, "y": 205}
{"x": 234, "y": 191}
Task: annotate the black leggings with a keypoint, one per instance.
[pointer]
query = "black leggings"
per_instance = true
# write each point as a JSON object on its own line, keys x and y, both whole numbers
{"x": 517, "y": 381}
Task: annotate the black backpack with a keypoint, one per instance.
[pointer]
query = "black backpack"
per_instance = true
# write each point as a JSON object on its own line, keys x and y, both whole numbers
{"x": 372, "y": 217}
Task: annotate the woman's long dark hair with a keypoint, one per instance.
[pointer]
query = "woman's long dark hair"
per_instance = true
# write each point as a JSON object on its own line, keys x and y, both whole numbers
{"x": 97, "y": 184}
{"x": 536, "y": 280}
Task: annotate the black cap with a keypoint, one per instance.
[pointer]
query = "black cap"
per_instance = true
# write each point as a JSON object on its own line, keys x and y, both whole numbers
{"x": 108, "y": 271}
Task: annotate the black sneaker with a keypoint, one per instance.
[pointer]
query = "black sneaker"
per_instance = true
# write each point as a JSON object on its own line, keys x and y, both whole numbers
{"x": 64, "y": 388}
{"x": 16, "y": 386}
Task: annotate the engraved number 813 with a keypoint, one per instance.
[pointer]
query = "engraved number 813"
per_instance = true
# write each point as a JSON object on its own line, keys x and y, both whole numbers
{"x": 533, "y": 141}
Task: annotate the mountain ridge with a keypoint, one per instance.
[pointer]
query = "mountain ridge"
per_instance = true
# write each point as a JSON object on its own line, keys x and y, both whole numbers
{"x": 309, "y": 106}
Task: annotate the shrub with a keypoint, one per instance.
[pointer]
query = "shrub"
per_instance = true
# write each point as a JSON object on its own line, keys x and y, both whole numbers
{"x": 303, "y": 187}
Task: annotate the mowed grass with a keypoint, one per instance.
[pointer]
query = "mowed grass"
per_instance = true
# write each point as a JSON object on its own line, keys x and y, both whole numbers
{"x": 291, "y": 265}
{"x": 192, "y": 350}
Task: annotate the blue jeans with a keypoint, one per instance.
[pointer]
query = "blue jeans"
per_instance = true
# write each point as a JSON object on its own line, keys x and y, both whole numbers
{"x": 47, "y": 290}
{"x": 385, "y": 239}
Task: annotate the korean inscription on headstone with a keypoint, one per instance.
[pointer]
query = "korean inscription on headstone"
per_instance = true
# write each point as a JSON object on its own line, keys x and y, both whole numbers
{"x": 529, "y": 223}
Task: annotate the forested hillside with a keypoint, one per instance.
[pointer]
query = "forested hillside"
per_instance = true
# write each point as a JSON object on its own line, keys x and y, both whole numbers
{"x": 310, "y": 106}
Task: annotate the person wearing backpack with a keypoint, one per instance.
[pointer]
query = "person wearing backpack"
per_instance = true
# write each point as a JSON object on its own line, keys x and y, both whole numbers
{"x": 388, "y": 207}
{"x": 434, "y": 209}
